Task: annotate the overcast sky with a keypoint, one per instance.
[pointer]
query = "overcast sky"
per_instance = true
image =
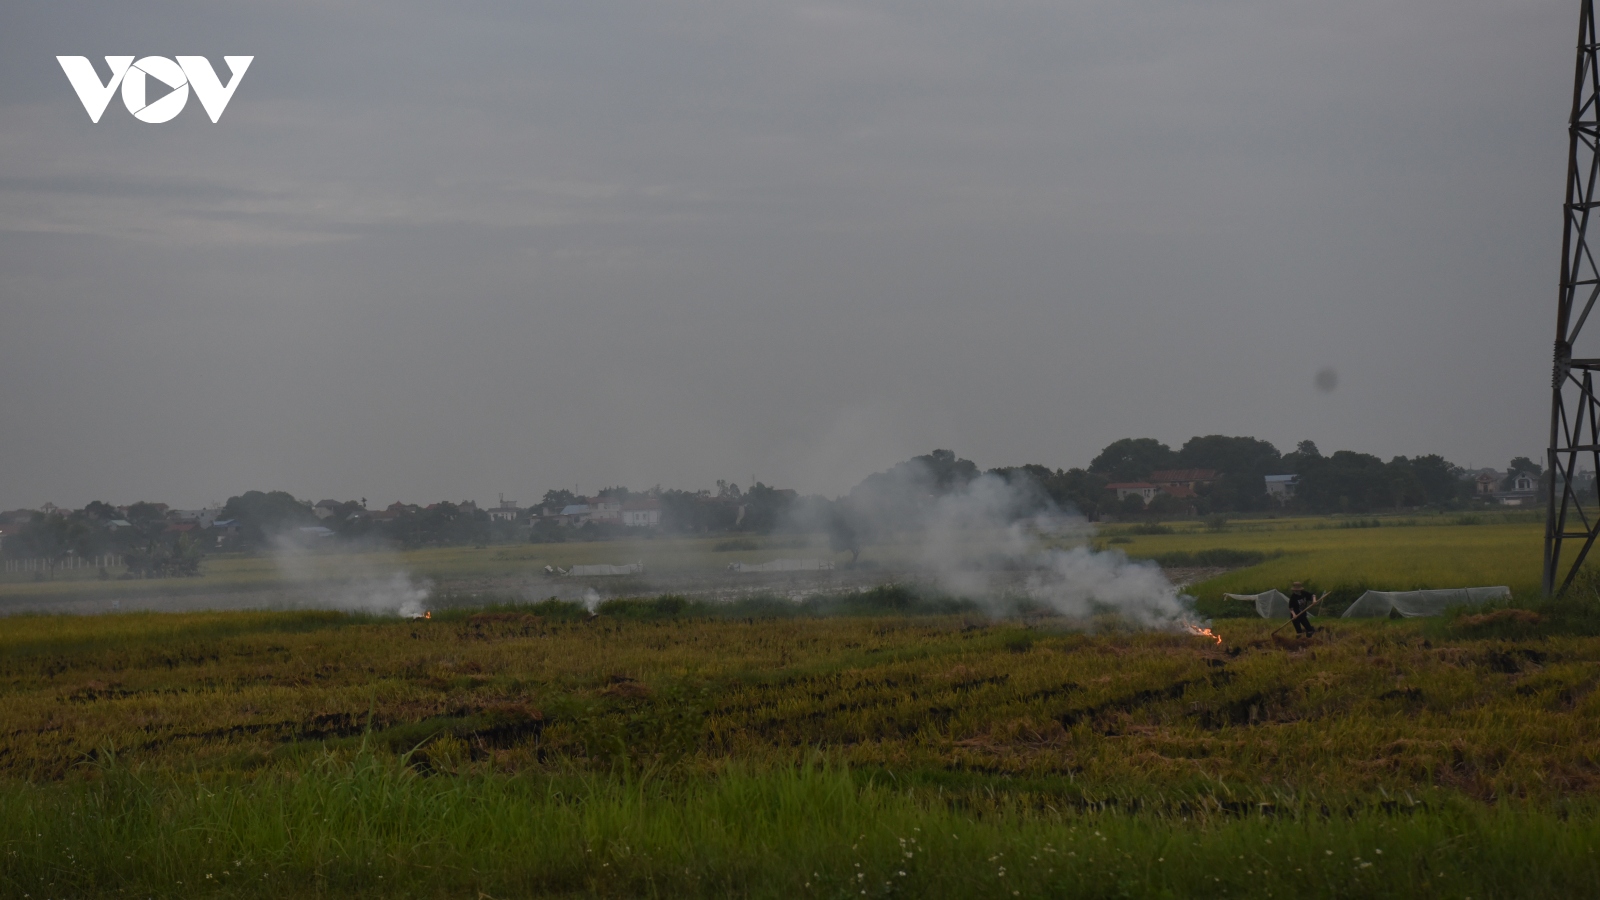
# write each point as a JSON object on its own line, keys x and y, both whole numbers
{"x": 443, "y": 251}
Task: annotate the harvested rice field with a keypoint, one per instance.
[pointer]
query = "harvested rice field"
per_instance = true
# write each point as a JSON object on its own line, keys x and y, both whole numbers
{"x": 667, "y": 747}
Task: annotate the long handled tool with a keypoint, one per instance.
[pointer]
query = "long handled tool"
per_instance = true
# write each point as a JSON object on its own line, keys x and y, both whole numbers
{"x": 1301, "y": 613}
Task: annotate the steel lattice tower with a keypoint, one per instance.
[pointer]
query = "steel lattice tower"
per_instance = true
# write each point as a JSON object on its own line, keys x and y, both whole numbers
{"x": 1574, "y": 408}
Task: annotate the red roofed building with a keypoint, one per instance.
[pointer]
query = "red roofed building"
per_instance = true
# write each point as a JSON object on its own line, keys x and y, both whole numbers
{"x": 393, "y": 511}
{"x": 1182, "y": 483}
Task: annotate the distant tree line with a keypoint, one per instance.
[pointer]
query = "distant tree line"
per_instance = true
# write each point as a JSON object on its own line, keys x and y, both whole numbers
{"x": 141, "y": 535}
{"x": 153, "y": 544}
{"x": 1344, "y": 481}
{"x": 264, "y": 517}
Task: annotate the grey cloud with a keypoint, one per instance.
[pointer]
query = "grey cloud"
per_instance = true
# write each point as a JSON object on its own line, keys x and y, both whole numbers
{"x": 444, "y": 252}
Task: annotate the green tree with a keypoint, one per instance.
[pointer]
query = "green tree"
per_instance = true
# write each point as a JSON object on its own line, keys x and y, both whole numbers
{"x": 1344, "y": 482}
{"x": 1401, "y": 483}
{"x": 1030, "y": 488}
{"x": 1080, "y": 490}
{"x": 696, "y": 512}
{"x": 439, "y": 525}
{"x": 1131, "y": 505}
{"x": 1524, "y": 464}
{"x": 1440, "y": 480}
{"x": 1517, "y": 466}
{"x": 900, "y": 497}
{"x": 557, "y": 500}
{"x": 53, "y": 537}
{"x": 765, "y": 507}
{"x": 1163, "y": 504}
{"x": 933, "y": 474}
{"x": 1132, "y": 459}
{"x": 165, "y": 556}
{"x": 101, "y": 511}
{"x": 264, "y": 514}
{"x": 144, "y": 514}
{"x": 1241, "y": 455}
{"x": 949, "y": 472}
{"x": 844, "y": 532}
{"x": 1242, "y": 463}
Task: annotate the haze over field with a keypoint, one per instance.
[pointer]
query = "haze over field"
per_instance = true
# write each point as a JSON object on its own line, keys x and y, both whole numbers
{"x": 453, "y": 251}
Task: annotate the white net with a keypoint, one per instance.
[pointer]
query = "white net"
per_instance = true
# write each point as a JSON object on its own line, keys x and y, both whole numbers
{"x": 1375, "y": 604}
{"x": 1269, "y": 604}
{"x": 629, "y": 569}
{"x": 784, "y": 565}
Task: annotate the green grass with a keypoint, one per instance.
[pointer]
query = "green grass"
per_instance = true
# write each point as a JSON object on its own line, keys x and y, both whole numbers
{"x": 655, "y": 751}
{"x": 1403, "y": 553}
{"x": 450, "y": 566}
{"x": 364, "y": 826}
{"x": 1402, "y": 557}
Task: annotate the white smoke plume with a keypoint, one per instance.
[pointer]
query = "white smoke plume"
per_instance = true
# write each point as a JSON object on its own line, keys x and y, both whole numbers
{"x": 991, "y": 539}
{"x": 368, "y": 579}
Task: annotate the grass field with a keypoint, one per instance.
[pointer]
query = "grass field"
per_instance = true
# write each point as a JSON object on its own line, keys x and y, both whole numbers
{"x": 897, "y": 746}
{"x": 244, "y": 574}
{"x": 1382, "y": 554}
{"x": 1400, "y": 553}
{"x": 658, "y": 751}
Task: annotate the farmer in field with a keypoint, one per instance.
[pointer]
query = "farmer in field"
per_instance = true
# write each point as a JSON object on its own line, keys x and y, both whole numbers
{"x": 1300, "y": 601}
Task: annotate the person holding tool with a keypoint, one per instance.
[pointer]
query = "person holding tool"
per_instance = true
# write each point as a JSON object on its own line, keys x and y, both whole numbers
{"x": 1300, "y": 603}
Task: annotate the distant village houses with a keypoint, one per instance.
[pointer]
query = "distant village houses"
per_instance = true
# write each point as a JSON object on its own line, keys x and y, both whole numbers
{"x": 601, "y": 510}
{"x": 155, "y": 537}
{"x": 506, "y": 511}
{"x": 1143, "y": 489}
{"x": 1515, "y": 488}
{"x": 1487, "y": 482}
{"x": 644, "y": 513}
{"x": 1520, "y": 489}
{"x": 1181, "y": 483}
{"x": 634, "y": 512}
{"x": 1281, "y": 487}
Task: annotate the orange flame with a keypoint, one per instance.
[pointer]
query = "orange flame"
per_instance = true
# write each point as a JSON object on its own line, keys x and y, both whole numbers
{"x": 1203, "y": 632}
{"x": 429, "y": 614}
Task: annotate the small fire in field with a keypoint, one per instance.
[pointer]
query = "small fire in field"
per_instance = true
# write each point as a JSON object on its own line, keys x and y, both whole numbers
{"x": 1203, "y": 632}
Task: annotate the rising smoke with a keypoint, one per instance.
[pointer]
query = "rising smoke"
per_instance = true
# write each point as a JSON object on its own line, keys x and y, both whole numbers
{"x": 370, "y": 578}
{"x": 986, "y": 538}
{"x": 979, "y": 538}
{"x": 996, "y": 539}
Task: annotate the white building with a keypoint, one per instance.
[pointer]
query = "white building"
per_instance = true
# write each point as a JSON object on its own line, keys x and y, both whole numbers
{"x": 1145, "y": 490}
{"x": 642, "y": 513}
{"x": 1520, "y": 489}
{"x": 506, "y": 512}
{"x": 1281, "y": 487}
{"x": 593, "y": 509}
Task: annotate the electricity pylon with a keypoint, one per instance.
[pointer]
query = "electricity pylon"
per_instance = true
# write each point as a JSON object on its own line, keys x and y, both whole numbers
{"x": 1574, "y": 409}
